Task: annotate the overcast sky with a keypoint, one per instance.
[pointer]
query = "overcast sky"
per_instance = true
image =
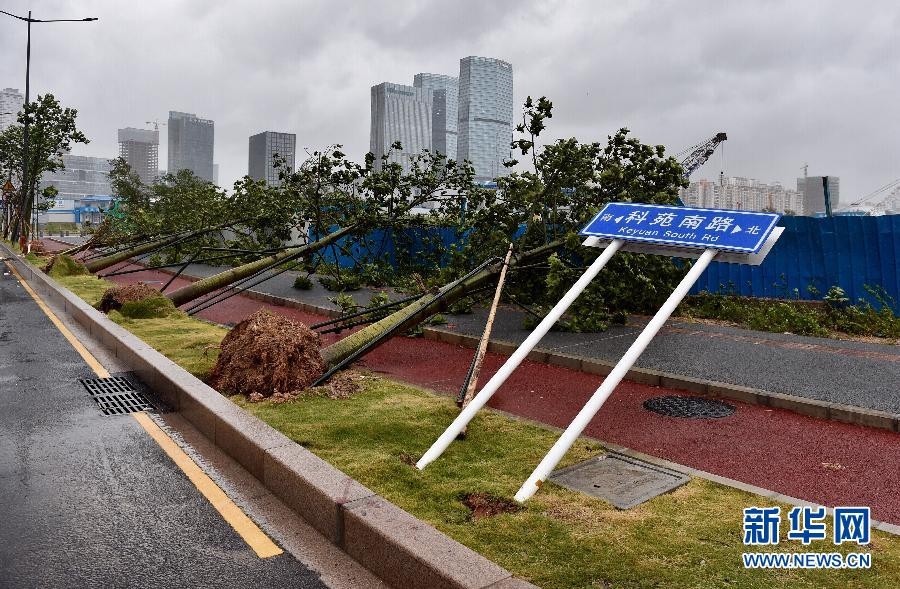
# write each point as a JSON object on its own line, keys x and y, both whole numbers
{"x": 814, "y": 82}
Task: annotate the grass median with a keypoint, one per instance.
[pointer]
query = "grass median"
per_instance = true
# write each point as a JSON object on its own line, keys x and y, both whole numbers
{"x": 691, "y": 537}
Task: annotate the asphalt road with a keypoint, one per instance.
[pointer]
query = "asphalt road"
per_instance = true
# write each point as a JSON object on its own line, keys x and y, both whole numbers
{"x": 88, "y": 500}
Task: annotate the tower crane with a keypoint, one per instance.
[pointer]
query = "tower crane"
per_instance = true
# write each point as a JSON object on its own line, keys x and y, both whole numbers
{"x": 698, "y": 154}
{"x": 155, "y": 123}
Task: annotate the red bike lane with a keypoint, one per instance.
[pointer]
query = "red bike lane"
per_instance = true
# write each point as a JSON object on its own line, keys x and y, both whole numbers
{"x": 820, "y": 461}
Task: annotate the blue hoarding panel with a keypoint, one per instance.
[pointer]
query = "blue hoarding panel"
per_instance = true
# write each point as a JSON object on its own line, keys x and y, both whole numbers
{"x": 740, "y": 231}
{"x": 857, "y": 254}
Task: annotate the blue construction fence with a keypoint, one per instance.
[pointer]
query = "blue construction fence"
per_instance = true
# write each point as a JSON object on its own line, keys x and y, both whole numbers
{"x": 851, "y": 252}
{"x": 382, "y": 245}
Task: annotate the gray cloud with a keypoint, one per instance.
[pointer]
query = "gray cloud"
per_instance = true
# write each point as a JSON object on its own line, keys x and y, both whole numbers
{"x": 791, "y": 83}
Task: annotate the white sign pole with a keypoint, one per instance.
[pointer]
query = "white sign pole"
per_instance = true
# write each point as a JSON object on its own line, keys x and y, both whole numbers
{"x": 593, "y": 405}
{"x": 481, "y": 399}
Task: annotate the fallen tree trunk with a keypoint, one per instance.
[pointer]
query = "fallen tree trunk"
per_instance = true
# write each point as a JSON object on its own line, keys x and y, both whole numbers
{"x": 210, "y": 284}
{"x": 113, "y": 259}
{"x": 425, "y": 307}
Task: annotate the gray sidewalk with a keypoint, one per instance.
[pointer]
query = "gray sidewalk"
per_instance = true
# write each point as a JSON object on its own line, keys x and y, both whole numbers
{"x": 833, "y": 371}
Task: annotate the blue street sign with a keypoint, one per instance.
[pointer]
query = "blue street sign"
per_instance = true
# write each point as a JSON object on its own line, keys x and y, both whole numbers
{"x": 738, "y": 231}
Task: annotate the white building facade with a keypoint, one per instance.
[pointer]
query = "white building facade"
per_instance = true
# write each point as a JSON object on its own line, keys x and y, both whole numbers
{"x": 400, "y": 113}
{"x": 11, "y": 102}
{"x": 743, "y": 194}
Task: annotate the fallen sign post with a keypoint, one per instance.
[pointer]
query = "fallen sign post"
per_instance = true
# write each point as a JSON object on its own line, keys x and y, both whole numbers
{"x": 730, "y": 236}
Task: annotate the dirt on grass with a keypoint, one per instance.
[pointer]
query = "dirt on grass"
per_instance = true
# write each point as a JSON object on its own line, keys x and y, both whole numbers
{"x": 268, "y": 355}
{"x": 487, "y": 505}
{"x": 115, "y": 297}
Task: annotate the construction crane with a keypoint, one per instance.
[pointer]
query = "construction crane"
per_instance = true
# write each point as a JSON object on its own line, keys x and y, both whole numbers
{"x": 890, "y": 186}
{"x": 155, "y": 124}
{"x": 698, "y": 154}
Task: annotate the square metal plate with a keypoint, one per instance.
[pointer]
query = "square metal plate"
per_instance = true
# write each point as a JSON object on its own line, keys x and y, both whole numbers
{"x": 623, "y": 481}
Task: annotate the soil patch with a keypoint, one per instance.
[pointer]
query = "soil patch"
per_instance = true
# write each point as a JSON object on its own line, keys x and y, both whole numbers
{"x": 266, "y": 355}
{"x": 487, "y": 505}
{"x": 115, "y": 297}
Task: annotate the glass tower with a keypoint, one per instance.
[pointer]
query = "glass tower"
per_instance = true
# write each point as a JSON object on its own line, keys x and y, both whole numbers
{"x": 400, "y": 113}
{"x": 263, "y": 147}
{"x": 445, "y": 110}
{"x": 191, "y": 144}
{"x": 485, "y": 115}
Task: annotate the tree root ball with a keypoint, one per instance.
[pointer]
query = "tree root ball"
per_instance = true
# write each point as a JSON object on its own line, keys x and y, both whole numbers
{"x": 115, "y": 297}
{"x": 267, "y": 354}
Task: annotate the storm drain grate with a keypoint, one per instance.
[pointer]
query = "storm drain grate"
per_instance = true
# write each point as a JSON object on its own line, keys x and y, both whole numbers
{"x": 116, "y": 395}
{"x": 689, "y": 407}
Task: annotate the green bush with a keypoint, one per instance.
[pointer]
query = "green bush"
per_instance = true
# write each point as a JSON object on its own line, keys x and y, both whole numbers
{"x": 340, "y": 281}
{"x": 303, "y": 283}
{"x": 835, "y": 313}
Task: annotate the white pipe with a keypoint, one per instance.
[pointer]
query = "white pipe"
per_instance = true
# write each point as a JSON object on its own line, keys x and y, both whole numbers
{"x": 481, "y": 399}
{"x": 599, "y": 397}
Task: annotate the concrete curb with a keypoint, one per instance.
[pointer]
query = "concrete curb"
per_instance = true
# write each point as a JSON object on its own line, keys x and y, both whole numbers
{"x": 402, "y": 550}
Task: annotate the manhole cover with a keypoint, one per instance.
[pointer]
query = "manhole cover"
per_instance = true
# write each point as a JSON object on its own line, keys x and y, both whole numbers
{"x": 623, "y": 481}
{"x": 116, "y": 395}
{"x": 689, "y": 407}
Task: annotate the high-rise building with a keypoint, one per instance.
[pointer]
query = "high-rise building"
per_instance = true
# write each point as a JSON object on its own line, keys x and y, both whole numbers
{"x": 744, "y": 194}
{"x": 263, "y": 147}
{"x": 191, "y": 144}
{"x": 11, "y": 102}
{"x": 445, "y": 110}
{"x": 400, "y": 113}
{"x": 140, "y": 150}
{"x": 812, "y": 191}
{"x": 485, "y": 115}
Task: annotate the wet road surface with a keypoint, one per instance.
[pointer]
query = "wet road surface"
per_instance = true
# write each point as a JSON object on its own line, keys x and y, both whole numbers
{"x": 88, "y": 500}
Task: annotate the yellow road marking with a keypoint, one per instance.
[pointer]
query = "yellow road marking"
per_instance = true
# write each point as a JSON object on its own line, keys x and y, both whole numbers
{"x": 243, "y": 525}
{"x": 79, "y": 347}
{"x": 231, "y": 513}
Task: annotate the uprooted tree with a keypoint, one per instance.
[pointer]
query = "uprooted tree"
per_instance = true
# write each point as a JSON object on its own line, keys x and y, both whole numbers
{"x": 539, "y": 210}
{"x": 569, "y": 182}
{"x": 342, "y": 199}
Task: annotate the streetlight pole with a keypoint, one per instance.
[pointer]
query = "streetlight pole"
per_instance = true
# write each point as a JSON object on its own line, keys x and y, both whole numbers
{"x": 26, "y": 185}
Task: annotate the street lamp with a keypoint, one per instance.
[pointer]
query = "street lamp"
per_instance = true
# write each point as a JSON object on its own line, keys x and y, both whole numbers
{"x": 25, "y": 183}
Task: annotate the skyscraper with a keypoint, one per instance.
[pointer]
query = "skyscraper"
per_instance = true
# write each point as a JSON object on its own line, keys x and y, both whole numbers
{"x": 191, "y": 144}
{"x": 445, "y": 110}
{"x": 400, "y": 113}
{"x": 263, "y": 147}
{"x": 485, "y": 115}
{"x": 11, "y": 101}
{"x": 140, "y": 150}
{"x": 812, "y": 189}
